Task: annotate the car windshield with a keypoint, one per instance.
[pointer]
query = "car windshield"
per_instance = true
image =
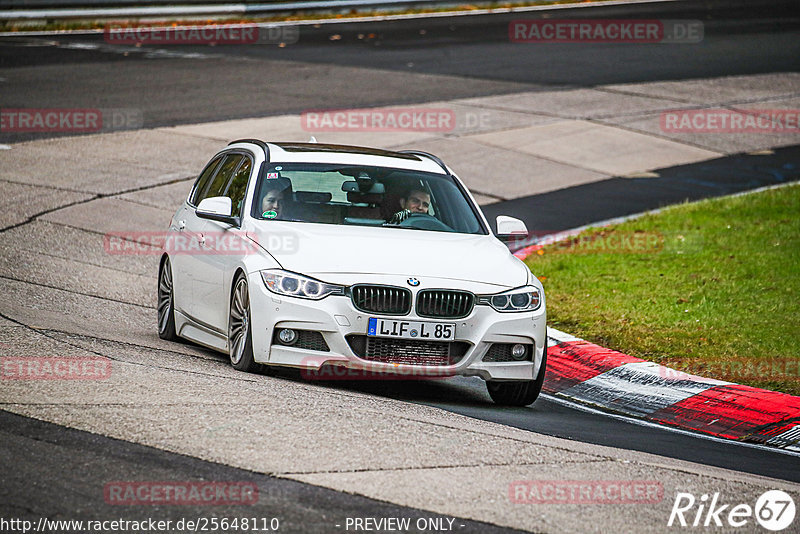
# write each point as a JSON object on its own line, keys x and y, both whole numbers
{"x": 364, "y": 196}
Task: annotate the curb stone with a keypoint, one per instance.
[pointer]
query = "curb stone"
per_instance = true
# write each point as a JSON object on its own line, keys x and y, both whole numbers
{"x": 586, "y": 373}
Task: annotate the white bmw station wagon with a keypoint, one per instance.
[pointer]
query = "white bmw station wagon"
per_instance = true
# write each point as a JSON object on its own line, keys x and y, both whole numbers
{"x": 311, "y": 255}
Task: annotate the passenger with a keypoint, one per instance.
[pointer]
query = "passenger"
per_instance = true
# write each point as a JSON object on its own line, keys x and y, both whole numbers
{"x": 415, "y": 201}
{"x": 272, "y": 204}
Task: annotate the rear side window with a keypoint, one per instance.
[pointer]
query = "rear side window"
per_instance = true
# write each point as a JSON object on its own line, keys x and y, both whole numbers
{"x": 238, "y": 186}
{"x": 203, "y": 180}
{"x": 216, "y": 187}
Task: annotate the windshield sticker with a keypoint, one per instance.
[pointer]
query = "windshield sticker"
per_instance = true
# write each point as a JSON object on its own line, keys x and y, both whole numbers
{"x": 272, "y": 175}
{"x": 269, "y": 214}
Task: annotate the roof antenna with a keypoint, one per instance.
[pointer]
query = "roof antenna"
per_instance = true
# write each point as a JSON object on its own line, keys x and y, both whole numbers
{"x": 312, "y": 140}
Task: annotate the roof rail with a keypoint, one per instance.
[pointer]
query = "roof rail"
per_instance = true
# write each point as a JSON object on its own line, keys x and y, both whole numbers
{"x": 258, "y": 142}
{"x": 428, "y": 155}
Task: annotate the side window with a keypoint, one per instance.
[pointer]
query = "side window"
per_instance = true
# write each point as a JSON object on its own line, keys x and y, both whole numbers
{"x": 202, "y": 181}
{"x": 237, "y": 186}
{"x": 217, "y": 186}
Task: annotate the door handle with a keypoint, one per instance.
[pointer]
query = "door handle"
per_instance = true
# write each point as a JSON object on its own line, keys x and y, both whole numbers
{"x": 181, "y": 225}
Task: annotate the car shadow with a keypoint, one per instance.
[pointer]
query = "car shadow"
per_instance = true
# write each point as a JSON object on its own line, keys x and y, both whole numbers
{"x": 463, "y": 391}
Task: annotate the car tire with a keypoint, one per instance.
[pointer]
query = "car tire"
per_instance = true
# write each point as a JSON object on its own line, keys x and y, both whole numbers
{"x": 519, "y": 392}
{"x": 240, "y": 338}
{"x": 166, "y": 302}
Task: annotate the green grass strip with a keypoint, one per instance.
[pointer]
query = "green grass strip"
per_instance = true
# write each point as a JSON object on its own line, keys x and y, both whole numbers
{"x": 710, "y": 288}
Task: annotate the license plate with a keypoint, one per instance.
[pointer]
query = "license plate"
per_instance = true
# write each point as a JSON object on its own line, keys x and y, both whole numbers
{"x": 422, "y": 330}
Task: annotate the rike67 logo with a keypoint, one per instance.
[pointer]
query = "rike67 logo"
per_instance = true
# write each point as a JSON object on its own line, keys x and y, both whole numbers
{"x": 774, "y": 510}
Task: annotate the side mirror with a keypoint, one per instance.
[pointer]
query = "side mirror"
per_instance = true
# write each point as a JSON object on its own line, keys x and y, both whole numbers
{"x": 510, "y": 227}
{"x": 216, "y": 209}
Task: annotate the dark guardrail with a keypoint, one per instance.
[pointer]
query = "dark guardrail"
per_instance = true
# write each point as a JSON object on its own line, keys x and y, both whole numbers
{"x": 82, "y": 9}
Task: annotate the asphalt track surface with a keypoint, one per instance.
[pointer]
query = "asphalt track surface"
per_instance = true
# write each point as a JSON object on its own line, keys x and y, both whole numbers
{"x": 400, "y": 64}
{"x": 78, "y": 465}
{"x": 380, "y": 63}
{"x": 467, "y": 396}
{"x": 576, "y": 206}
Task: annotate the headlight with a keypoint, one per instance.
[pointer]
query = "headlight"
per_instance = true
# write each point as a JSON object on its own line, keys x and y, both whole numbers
{"x": 297, "y": 285}
{"x": 517, "y": 300}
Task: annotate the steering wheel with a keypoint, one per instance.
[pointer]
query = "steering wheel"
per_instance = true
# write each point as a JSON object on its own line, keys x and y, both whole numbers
{"x": 423, "y": 221}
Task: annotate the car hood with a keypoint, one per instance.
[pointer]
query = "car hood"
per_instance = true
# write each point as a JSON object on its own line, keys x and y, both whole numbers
{"x": 322, "y": 249}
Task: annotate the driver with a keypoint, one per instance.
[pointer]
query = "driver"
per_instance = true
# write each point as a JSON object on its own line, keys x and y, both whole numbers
{"x": 416, "y": 201}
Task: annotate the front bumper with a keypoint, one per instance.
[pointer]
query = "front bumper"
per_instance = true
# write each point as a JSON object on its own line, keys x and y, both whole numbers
{"x": 335, "y": 318}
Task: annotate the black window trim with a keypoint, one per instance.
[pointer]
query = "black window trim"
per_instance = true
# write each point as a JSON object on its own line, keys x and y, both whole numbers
{"x": 221, "y": 156}
{"x": 224, "y": 154}
{"x": 248, "y": 154}
{"x": 235, "y": 152}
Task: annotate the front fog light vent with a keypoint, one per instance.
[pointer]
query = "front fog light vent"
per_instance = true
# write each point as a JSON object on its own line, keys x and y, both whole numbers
{"x": 518, "y": 352}
{"x": 509, "y": 352}
{"x": 300, "y": 339}
{"x": 287, "y": 336}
